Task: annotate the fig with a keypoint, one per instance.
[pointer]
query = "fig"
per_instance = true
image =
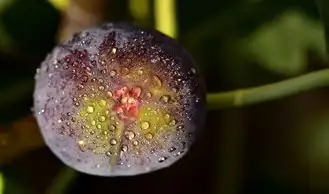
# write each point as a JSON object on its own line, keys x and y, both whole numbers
{"x": 119, "y": 100}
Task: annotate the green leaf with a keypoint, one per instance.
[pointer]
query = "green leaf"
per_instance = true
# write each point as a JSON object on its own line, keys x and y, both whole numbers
{"x": 281, "y": 45}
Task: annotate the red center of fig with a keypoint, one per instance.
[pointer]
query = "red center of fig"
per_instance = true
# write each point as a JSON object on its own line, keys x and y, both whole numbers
{"x": 128, "y": 102}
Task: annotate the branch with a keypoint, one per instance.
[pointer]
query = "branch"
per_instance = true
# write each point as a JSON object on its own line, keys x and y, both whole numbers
{"x": 254, "y": 95}
{"x": 19, "y": 138}
{"x": 79, "y": 15}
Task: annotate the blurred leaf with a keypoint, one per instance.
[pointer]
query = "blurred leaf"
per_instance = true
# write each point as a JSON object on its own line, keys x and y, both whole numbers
{"x": 314, "y": 148}
{"x": 62, "y": 181}
{"x": 323, "y": 6}
{"x": 60, "y": 4}
{"x": 14, "y": 141}
{"x": 31, "y": 25}
{"x": 5, "y": 40}
{"x": 13, "y": 186}
{"x": 2, "y": 183}
{"x": 281, "y": 46}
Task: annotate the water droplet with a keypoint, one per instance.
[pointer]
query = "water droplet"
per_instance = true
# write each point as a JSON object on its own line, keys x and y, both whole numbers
{"x": 129, "y": 135}
{"x": 93, "y": 122}
{"x": 145, "y": 125}
{"x": 172, "y": 149}
{"x": 149, "y": 95}
{"x": 156, "y": 81}
{"x": 81, "y": 145}
{"x": 109, "y": 94}
{"x": 167, "y": 116}
{"x": 113, "y": 142}
{"x": 101, "y": 88}
{"x": 114, "y": 50}
{"x": 103, "y": 71}
{"x": 178, "y": 154}
{"x": 81, "y": 142}
{"x": 165, "y": 98}
{"x": 124, "y": 71}
{"x": 90, "y": 109}
{"x": 140, "y": 72}
{"x": 113, "y": 73}
{"x": 80, "y": 86}
{"x": 59, "y": 121}
{"x": 173, "y": 122}
{"x": 135, "y": 142}
{"x": 92, "y": 132}
{"x": 148, "y": 136}
{"x": 99, "y": 126}
{"x": 162, "y": 159}
{"x": 98, "y": 166}
{"x": 193, "y": 70}
{"x": 105, "y": 133}
{"x": 124, "y": 148}
{"x": 102, "y": 118}
{"x": 180, "y": 127}
{"x": 112, "y": 127}
{"x": 41, "y": 111}
{"x": 108, "y": 154}
{"x": 84, "y": 78}
{"x": 102, "y": 102}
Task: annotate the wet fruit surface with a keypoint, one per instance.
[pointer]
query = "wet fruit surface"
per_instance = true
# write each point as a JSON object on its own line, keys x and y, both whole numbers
{"x": 119, "y": 100}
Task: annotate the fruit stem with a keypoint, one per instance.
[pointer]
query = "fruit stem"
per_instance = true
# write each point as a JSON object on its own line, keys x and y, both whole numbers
{"x": 268, "y": 92}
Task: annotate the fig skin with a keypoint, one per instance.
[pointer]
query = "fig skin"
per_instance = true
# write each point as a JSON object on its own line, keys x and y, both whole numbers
{"x": 119, "y": 100}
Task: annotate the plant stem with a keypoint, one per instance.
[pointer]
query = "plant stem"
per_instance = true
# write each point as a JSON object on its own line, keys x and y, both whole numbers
{"x": 249, "y": 96}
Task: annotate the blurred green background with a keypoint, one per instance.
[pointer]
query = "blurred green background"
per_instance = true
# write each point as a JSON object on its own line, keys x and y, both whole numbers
{"x": 274, "y": 147}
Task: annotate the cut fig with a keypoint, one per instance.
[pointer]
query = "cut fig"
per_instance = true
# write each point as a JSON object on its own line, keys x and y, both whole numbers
{"x": 119, "y": 100}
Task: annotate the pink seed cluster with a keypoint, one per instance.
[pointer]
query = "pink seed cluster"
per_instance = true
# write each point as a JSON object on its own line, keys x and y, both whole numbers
{"x": 119, "y": 100}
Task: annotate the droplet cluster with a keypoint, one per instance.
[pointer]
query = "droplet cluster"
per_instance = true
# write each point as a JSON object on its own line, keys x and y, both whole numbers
{"x": 119, "y": 100}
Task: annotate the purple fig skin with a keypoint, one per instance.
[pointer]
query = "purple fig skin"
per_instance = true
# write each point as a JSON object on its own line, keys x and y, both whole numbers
{"x": 119, "y": 100}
